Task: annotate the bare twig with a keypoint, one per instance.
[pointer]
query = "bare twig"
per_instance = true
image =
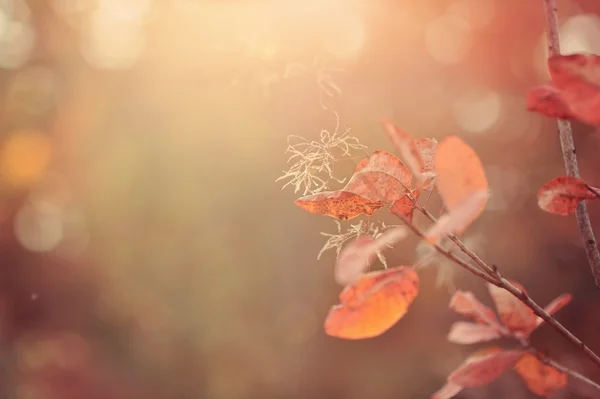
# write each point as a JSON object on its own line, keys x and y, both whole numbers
{"x": 572, "y": 373}
{"x": 492, "y": 275}
{"x": 568, "y": 151}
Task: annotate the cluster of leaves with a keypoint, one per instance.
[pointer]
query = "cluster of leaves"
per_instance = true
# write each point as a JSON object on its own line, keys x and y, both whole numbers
{"x": 371, "y": 302}
{"x": 516, "y": 321}
{"x": 573, "y": 94}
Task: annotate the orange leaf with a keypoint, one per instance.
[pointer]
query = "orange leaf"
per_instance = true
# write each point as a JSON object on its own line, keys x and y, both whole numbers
{"x": 471, "y": 333}
{"x": 577, "y": 76}
{"x": 481, "y": 369}
{"x": 427, "y": 147}
{"x": 562, "y": 195}
{"x": 514, "y": 314}
{"x": 557, "y": 304}
{"x": 380, "y": 177}
{"x": 465, "y": 303}
{"x": 406, "y": 145}
{"x": 341, "y": 205}
{"x": 541, "y": 379}
{"x": 373, "y": 304}
{"x": 357, "y": 256}
{"x": 459, "y": 173}
{"x": 547, "y": 100}
{"x": 458, "y": 219}
{"x": 447, "y": 391}
{"x": 404, "y": 207}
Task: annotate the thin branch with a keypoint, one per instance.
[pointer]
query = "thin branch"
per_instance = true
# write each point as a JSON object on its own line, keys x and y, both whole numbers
{"x": 451, "y": 256}
{"x": 492, "y": 275}
{"x": 568, "y": 151}
{"x": 570, "y": 372}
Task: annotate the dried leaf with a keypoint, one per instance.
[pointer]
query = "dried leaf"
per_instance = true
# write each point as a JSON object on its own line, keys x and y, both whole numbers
{"x": 341, "y": 205}
{"x": 548, "y": 100}
{"x": 459, "y": 173}
{"x": 458, "y": 219}
{"x": 541, "y": 379}
{"x": 562, "y": 195}
{"x": 404, "y": 207}
{"x": 514, "y": 314}
{"x": 467, "y": 304}
{"x": 577, "y": 76}
{"x": 557, "y": 304}
{"x": 373, "y": 304}
{"x": 480, "y": 370}
{"x": 471, "y": 333}
{"x": 380, "y": 177}
{"x": 358, "y": 256}
{"x": 427, "y": 148}
{"x": 447, "y": 391}
{"x": 406, "y": 146}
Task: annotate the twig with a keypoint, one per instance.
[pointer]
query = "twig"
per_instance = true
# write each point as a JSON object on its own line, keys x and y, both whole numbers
{"x": 492, "y": 275}
{"x": 451, "y": 256}
{"x": 570, "y": 372}
{"x": 568, "y": 151}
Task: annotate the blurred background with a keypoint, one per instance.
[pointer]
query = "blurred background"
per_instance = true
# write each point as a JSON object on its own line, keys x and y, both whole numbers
{"x": 146, "y": 250}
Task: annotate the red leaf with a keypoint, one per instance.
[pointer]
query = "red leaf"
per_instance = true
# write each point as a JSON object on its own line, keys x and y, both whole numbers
{"x": 373, "y": 304}
{"x": 557, "y": 304}
{"x": 480, "y": 370}
{"x": 404, "y": 207}
{"x": 447, "y": 391}
{"x": 357, "y": 256}
{"x": 541, "y": 379}
{"x": 406, "y": 146}
{"x": 467, "y": 304}
{"x": 471, "y": 333}
{"x": 548, "y": 100}
{"x": 427, "y": 148}
{"x": 562, "y": 195}
{"x": 380, "y": 177}
{"x": 459, "y": 174}
{"x": 577, "y": 76}
{"x": 514, "y": 314}
{"x": 341, "y": 205}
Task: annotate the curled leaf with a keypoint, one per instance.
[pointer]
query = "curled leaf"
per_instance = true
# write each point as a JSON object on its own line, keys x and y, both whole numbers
{"x": 466, "y": 333}
{"x": 448, "y": 391}
{"x": 459, "y": 174}
{"x": 514, "y": 314}
{"x": 427, "y": 148}
{"x": 381, "y": 177}
{"x": 357, "y": 256}
{"x": 481, "y": 369}
{"x": 562, "y": 195}
{"x": 406, "y": 146}
{"x": 467, "y": 304}
{"x": 459, "y": 218}
{"x": 341, "y": 205}
{"x": 373, "y": 304}
{"x": 540, "y": 378}
{"x": 548, "y": 100}
{"x": 577, "y": 76}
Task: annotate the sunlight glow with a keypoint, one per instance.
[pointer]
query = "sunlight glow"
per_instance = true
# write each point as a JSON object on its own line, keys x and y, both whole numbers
{"x": 581, "y": 34}
{"x": 478, "y": 110}
{"x": 112, "y": 42}
{"x": 448, "y": 39}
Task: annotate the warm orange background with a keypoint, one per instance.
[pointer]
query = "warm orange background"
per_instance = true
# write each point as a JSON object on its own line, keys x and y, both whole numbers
{"x": 146, "y": 251}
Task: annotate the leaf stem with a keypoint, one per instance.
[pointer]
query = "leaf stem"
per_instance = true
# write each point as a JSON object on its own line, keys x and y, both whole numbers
{"x": 568, "y": 150}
